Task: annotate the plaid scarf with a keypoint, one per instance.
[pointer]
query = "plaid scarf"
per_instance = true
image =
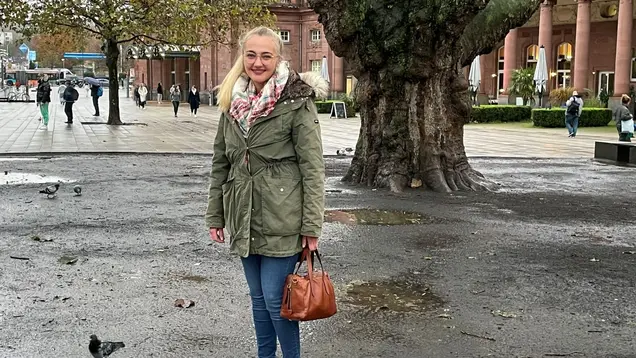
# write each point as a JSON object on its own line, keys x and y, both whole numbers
{"x": 247, "y": 105}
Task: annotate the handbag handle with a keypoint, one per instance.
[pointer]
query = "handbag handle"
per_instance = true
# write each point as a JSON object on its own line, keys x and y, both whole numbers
{"x": 308, "y": 256}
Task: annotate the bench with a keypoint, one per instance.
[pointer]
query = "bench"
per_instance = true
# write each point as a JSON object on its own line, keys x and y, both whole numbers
{"x": 616, "y": 152}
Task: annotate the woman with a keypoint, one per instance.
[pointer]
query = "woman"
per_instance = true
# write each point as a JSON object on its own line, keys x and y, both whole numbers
{"x": 43, "y": 98}
{"x": 175, "y": 97}
{"x": 195, "y": 100}
{"x": 621, "y": 115}
{"x": 159, "y": 93}
{"x": 136, "y": 95}
{"x": 270, "y": 197}
{"x": 143, "y": 95}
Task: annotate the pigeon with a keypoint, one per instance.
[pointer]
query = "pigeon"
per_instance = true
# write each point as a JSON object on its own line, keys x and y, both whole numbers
{"x": 101, "y": 349}
{"x": 344, "y": 151}
{"x": 50, "y": 190}
{"x": 78, "y": 190}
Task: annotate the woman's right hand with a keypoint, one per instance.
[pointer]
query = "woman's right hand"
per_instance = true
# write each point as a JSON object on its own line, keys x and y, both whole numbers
{"x": 217, "y": 235}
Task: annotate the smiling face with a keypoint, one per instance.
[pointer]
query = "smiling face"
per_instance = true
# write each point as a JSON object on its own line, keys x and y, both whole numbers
{"x": 260, "y": 59}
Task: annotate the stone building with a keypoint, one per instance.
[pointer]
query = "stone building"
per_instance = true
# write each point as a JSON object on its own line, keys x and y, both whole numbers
{"x": 305, "y": 47}
{"x": 589, "y": 45}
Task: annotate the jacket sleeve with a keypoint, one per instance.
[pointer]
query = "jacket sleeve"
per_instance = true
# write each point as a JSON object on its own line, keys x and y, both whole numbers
{"x": 308, "y": 146}
{"x": 218, "y": 176}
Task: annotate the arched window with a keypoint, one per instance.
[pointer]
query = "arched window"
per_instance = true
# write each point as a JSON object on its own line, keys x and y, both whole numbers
{"x": 532, "y": 56}
{"x": 500, "y": 70}
{"x": 564, "y": 65}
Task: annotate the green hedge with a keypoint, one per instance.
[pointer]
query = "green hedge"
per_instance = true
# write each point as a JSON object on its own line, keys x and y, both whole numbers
{"x": 325, "y": 107}
{"x": 503, "y": 113}
{"x": 555, "y": 117}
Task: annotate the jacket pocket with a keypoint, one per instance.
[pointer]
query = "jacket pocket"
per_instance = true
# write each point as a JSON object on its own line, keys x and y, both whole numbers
{"x": 282, "y": 206}
{"x": 229, "y": 205}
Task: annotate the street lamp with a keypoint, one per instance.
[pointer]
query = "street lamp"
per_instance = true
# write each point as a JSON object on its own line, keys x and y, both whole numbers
{"x": 494, "y": 84}
{"x": 63, "y": 62}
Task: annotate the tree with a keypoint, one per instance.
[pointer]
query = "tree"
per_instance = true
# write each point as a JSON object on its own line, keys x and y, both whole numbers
{"x": 522, "y": 84}
{"x": 51, "y": 48}
{"x": 177, "y": 22}
{"x": 408, "y": 57}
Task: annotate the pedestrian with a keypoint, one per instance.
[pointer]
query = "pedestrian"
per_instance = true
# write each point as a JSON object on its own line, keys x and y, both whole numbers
{"x": 143, "y": 95}
{"x": 159, "y": 93}
{"x": 136, "y": 95}
{"x": 70, "y": 96}
{"x": 175, "y": 97}
{"x": 624, "y": 119}
{"x": 96, "y": 92}
{"x": 60, "y": 92}
{"x": 573, "y": 109}
{"x": 195, "y": 101}
{"x": 270, "y": 198}
{"x": 43, "y": 98}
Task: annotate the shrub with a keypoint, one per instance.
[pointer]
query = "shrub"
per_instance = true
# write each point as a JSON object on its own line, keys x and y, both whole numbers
{"x": 593, "y": 102}
{"x": 350, "y": 103}
{"x": 496, "y": 113}
{"x": 555, "y": 117}
{"x": 522, "y": 84}
{"x": 559, "y": 96}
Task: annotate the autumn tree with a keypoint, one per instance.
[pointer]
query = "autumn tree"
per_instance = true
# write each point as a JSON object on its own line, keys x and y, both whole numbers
{"x": 175, "y": 22}
{"x": 408, "y": 57}
{"x": 51, "y": 48}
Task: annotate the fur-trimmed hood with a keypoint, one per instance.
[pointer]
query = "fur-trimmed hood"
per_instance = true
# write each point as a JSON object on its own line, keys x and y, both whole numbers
{"x": 307, "y": 84}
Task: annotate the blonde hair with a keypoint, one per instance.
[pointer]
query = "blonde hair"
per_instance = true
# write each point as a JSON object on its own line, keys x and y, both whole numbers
{"x": 227, "y": 86}
{"x": 626, "y": 99}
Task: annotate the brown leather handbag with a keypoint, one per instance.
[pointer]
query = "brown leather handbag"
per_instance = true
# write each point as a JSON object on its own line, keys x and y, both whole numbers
{"x": 309, "y": 297}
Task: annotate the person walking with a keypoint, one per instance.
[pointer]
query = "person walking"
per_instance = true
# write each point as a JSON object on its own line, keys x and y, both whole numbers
{"x": 70, "y": 96}
{"x": 195, "y": 101}
{"x": 574, "y": 108}
{"x": 60, "y": 91}
{"x": 43, "y": 98}
{"x": 136, "y": 95}
{"x": 159, "y": 93}
{"x": 270, "y": 197}
{"x": 175, "y": 97}
{"x": 143, "y": 95}
{"x": 624, "y": 119}
{"x": 96, "y": 92}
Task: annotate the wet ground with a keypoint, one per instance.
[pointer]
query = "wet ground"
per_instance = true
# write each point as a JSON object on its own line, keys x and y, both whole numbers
{"x": 543, "y": 267}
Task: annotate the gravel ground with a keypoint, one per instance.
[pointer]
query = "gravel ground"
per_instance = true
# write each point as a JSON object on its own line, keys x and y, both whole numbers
{"x": 544, "y": 266}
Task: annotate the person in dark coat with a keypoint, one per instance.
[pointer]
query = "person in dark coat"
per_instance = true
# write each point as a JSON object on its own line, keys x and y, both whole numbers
{"x": 195, "y": 100}
{"x": 95, "y": 94}
{"x": 70, "y": 96}
{"x": 159, "y": 93}
{"x": 43, "y": 98}
{"x": 622, "y": 114}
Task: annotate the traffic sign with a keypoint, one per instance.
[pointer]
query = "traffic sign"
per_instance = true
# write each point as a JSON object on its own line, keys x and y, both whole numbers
{"x": 24, "y": 48}
{"x": 32, "y": 56}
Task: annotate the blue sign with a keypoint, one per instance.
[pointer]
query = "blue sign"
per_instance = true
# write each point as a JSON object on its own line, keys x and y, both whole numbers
{"x": 84, "y": 55}
{"x": 24, "y": 48}
{"x": 32, "y": 56}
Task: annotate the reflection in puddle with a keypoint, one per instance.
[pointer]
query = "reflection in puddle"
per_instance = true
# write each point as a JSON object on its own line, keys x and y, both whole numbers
{"x": 395, "y": 296}
{"x": 374, "y": 217}
{"x": 9, "y": 178}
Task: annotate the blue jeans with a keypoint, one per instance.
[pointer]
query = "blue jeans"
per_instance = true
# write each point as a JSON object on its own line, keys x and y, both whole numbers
{"x": 266, "y": 280}
{"x": 572, "y": 124}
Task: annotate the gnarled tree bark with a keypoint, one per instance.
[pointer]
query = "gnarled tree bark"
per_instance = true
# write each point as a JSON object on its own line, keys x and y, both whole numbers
{"x": 408, "y": 56}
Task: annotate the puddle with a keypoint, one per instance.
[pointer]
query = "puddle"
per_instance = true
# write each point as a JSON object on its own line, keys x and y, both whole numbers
{"x": 10, "y": 178}
{"x": 193, "y": 278}
{"x": 395, "y": 296}
{"x": 375, "y": 217}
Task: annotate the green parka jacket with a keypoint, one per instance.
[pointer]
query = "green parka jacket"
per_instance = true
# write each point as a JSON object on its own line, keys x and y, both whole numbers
{"x": 267, "y": 201}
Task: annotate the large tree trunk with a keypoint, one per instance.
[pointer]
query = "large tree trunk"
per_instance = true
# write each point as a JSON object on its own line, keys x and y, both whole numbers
{"x": 112, "y": 57}
{"x": 412, "y": 133}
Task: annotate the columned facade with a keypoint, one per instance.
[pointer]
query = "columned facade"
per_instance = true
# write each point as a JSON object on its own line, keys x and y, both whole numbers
{"x": 589, "y": 45}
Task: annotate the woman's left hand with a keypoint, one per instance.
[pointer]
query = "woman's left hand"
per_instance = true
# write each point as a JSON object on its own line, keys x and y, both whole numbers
{"x": 310, "y": 241}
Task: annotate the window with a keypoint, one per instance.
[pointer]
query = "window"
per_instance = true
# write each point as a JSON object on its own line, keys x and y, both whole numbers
{"x": 564, "y": 65}
{"x": 284, "y": 35}
{"x": 500, "y": 70}
{"x": 316, "y": 65}
{"x": 315, "y": 35}
{"x": 633, "y": 77}
{"x": 532, "y": 56}
{"x": 205, "y": 80}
